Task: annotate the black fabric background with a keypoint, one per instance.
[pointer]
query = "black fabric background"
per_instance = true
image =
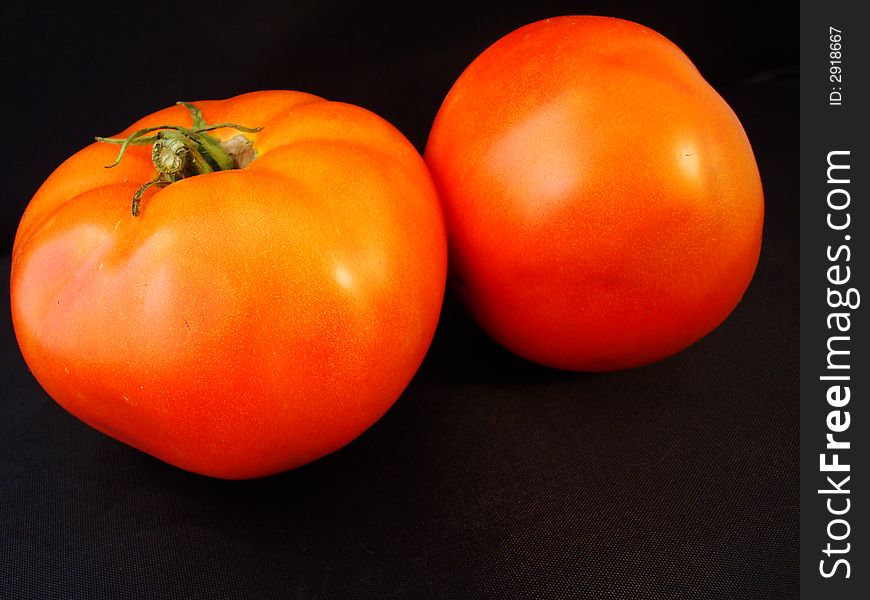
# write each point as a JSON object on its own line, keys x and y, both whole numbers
{"x": 491, "y": 477}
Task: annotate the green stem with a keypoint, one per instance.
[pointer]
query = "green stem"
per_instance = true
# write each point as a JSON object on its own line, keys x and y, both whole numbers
{"x": 179, "y": 152}
{"x": 137, "y": 197}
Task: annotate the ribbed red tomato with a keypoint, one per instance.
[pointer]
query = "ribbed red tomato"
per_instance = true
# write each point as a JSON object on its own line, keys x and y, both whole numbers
{"x": 248, "y": 320}
{"x": 603, "y": 204}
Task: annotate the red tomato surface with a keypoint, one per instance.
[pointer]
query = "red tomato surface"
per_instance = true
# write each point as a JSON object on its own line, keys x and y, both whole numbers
{"x": 603, "y": 205}
{"x": 247, "y": 321}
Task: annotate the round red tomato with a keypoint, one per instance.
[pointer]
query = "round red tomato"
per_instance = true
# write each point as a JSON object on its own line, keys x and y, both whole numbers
{"x": 248, "y": 320}
{"x": 603, "y": 205}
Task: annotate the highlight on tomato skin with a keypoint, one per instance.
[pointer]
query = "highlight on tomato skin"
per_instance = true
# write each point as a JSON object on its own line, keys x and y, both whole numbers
{"x": 269, "y": 298}
{"x": 603, "y": 204}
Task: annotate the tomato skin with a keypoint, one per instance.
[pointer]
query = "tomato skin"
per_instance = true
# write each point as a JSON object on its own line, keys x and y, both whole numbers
{"x": 603, "y": 205}
{"x": 247, "y": 321}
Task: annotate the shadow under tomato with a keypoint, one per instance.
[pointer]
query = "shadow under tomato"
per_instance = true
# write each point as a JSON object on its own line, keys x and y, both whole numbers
{"x": 462, "y": 352}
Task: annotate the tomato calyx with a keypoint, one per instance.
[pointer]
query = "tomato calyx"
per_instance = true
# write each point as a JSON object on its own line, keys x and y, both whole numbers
{"x": 179, "y": 152}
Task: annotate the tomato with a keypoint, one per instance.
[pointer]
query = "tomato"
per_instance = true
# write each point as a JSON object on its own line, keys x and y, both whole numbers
{"x": 248, "y": 320}
{"x": 603, "y": 205}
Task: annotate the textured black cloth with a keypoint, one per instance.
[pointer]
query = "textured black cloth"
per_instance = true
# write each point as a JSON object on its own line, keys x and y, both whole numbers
{"x": 490, "y": 477}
